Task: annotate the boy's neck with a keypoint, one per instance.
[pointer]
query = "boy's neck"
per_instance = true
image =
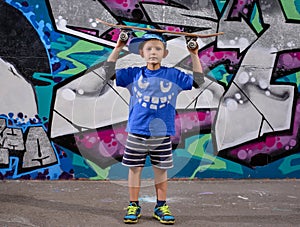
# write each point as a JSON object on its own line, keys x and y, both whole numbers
{"x": 153, "y": 66}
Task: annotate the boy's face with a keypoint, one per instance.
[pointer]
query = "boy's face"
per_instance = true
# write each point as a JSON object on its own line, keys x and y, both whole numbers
{"x": 153, "y": 51}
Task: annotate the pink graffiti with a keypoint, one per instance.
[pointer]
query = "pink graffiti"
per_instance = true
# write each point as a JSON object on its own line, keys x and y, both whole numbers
{"x": 288, "y": 61}
{"x": 128, "y": 4}
{"x": 211, "y": 57}
{"x": 111, "y": 142}
{"x": 190, "y": 122}
{"x": 241, "y": 7}
{"x": 106, "y": 143}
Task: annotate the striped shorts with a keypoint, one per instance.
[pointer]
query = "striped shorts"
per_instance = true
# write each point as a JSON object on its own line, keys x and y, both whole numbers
{"x": 138, "y": 147}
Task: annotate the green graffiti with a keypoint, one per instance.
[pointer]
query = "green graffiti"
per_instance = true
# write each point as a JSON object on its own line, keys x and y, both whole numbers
{"x": 298, "y": 80}
{"x": 102, "y": 174}
{"x": 291, "y": 9}
{"x": 220, "y": 74}
{"x": 292, "y": 78}
{"x": 255, "y": 19}
{"x": 139, "y": 33}
{"x": 79, "y": 47}
{"x": 198, "y": 148}
{"x": 286, "y": 166}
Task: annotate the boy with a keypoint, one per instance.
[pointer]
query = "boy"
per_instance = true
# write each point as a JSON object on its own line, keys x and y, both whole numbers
{"x": 154, "y": 89}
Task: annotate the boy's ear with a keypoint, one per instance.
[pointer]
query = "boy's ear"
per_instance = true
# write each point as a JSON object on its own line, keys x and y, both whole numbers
{"x": 166, "y": 53}
{"x": 141, "y": 52}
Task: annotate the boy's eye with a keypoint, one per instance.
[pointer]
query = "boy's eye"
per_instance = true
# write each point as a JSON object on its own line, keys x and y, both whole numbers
{"x": 154, "y": 48}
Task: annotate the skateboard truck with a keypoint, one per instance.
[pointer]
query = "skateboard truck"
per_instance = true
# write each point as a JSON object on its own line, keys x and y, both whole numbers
{"x": 124, "y": 35}
{"x": 191, "y": 42}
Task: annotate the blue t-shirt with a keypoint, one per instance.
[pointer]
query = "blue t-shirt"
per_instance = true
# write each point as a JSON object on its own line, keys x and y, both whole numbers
{"x": 153, "y": 98}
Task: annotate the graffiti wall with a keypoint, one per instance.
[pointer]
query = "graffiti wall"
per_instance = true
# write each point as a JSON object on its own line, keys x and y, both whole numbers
{"x": 59, "y": 118}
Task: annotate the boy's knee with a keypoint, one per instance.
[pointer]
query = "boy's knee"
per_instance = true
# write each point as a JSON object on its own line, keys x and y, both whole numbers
{"x": 136, "y": 169}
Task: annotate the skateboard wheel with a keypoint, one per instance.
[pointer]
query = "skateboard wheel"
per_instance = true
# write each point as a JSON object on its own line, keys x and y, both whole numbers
{"x": 124, "y": 36}
{"x": 192, "y": 44}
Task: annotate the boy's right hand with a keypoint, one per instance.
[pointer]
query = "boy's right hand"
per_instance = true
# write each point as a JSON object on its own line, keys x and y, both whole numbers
{"x": 116, "y": 51}
{"x": 123, "y": 38}
{"x": 121, "y": 43}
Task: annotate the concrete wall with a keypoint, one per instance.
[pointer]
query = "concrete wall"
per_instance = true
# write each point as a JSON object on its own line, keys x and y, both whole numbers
{"x": 58, "y": 120}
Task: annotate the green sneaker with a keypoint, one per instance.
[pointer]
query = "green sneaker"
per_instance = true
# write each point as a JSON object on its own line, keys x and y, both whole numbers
{"x": 133, "y": 214}
{"x": 164, "y": 215}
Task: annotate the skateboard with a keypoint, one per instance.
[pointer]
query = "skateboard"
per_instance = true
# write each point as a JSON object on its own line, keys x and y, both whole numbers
{"x": 190, "y": 37}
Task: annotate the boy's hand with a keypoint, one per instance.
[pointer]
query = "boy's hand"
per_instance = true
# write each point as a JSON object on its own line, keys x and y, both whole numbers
{"x": 192, "y": 45}
{"x": 120, "y": 43}
{"x": 193, "y": 51}
{"x": 123, "y": 38}
{"x": 193, "y": 48}
{"x": 116, "y": 51}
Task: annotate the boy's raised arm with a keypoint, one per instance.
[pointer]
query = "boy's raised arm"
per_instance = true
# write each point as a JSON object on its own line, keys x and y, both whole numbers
{"x": 113, "y": 57}
{"x": 197, "y": 67}
{"x": 110, "y": 64}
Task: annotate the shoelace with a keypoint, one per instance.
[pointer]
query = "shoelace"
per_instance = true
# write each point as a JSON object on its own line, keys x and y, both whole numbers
{"x": 131, "y": 210}
{"x": 165, "y": 210}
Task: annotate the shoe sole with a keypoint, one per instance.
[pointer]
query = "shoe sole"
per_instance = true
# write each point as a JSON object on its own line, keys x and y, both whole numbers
{"x": 128, "y": 221}
{"x": 162, "y": 221}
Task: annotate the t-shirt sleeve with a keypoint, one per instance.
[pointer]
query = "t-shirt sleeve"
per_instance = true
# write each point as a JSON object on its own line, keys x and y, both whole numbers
{"x": 124, "y": 77}
{"x": 184, "y": 80}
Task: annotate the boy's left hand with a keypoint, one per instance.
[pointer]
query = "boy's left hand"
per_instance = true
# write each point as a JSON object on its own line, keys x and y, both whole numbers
{"x": 193, "y": 51}
{"x": 192, "y": 45}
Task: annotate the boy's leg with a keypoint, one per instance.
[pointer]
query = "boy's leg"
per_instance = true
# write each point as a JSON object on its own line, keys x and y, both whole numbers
{"x": 134, "y": 182}
{"x": 134, "y": 157}
{"x": 161, "y": 160}
{"x": 161, "y": 183}
{"x": 161, "y": 210}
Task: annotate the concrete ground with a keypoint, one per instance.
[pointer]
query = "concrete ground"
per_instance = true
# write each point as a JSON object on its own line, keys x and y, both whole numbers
{"x": 193, "y": 203}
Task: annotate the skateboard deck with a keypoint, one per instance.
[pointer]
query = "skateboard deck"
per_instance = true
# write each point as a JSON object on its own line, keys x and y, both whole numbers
{"x": 167, "y": 32}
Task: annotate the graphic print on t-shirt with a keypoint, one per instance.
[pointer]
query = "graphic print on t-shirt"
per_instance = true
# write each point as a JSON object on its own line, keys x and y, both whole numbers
{"x": 153, "y": 93}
